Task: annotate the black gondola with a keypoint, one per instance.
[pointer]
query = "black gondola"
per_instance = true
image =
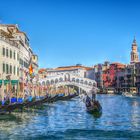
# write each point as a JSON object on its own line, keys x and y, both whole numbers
{"x": 27, "y": 104}
{"x": 68, "y": 97}
{"x": 94, "y": 107}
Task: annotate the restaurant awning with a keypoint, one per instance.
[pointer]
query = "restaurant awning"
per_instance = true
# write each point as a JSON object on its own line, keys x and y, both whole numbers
{"x": 13, "y": 82}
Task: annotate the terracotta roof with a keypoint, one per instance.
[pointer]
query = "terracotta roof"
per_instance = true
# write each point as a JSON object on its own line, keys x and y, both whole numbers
{"x": 117, "y": 63}
{"x": 41, "y": 70}
{"x": 73, "y": 67}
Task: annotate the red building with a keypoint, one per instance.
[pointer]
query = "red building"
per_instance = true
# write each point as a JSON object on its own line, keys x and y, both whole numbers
{"x": 109, "y": 75}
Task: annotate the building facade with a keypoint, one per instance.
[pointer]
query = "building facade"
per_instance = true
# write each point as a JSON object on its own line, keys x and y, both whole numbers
{"x": 137, "y": 74}
{"x": 119, "y": 77}
{"x": 79, "y": 70}
{"x": 15, "y": 53}
{"x": 98, "y": 73}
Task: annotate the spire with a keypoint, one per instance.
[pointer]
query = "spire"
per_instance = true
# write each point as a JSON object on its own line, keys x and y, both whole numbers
{"x": 134, "y": 41}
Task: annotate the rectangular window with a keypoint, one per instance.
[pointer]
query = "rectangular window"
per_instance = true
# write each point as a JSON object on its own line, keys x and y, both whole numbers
{"x": 14, "y": 55}
{"x": 7, "y": 53}
{"x": 17, "y": 57}
{"x": 3, "y": 51}
{"x": 3, "y": 68}
{"x": 17, "y": 71}
{"x": 10, "y": 53}
{"x": 7, "y": 69}
{"x": 10, "y": 69}
{"x": 21, "y": 62}
{"x": 24, "y": 64}
{"x": 14, "y": 70}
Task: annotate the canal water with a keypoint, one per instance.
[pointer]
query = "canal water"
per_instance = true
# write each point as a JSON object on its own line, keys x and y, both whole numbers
{"x": 120, "y": 120}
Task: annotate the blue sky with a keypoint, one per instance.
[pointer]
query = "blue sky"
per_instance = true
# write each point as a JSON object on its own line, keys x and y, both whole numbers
{"x": 67, "y": 32}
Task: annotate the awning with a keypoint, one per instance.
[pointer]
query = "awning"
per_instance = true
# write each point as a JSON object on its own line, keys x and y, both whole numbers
{"x": 13, "y": 82}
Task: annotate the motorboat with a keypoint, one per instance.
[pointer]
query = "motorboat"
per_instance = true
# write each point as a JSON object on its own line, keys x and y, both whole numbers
{"x": 127, "y": 94}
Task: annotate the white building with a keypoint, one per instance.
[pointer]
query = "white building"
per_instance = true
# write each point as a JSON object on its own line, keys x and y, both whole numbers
{"x": 15, "y": 52}
{"x": 81, "y": 71}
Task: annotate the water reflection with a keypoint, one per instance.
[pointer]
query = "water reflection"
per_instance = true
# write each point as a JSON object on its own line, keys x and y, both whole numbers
{"x": 120, "y": 119}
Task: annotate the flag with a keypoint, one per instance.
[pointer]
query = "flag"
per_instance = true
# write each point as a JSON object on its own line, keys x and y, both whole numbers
{"x": 30, "y": 69}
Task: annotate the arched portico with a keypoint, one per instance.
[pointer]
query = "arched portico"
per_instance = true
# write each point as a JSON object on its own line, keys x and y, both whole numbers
{"x": 70, "y": 79}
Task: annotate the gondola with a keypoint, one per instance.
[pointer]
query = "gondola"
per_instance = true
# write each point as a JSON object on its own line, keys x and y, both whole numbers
{"x": 68, "y": 97}
{"x": 94, "y": 108}
{"x": 27, "y": 104}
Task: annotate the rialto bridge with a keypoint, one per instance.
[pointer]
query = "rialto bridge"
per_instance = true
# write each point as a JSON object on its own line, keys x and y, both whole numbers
{"x": 68, "y": 79}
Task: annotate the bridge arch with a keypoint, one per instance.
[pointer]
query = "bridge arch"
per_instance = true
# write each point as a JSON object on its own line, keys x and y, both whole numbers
{"x": 52, "y": 81}
{"x": 85, "y": 82}
{"x": 69, "y": 79}
{"x": 60, "y": 79}
{"x": 47, "y": 82}
{"x": 43, "y": 83}
{"x": 73, "y": 79}
{"x": 81, "y": 81}
{"x": 56, "y": 80}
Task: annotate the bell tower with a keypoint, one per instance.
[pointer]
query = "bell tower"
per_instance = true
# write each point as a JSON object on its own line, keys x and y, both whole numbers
{"x": 134, "y": 52}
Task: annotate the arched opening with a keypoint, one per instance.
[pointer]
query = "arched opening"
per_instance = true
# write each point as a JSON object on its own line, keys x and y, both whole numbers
{"x": 67, "y": 77}
{"x": 56, "y": 80}
{"x": 77, "y": 80}
{"x": 94, "y": 84}
{"x": 52, "y": 81}
{"x": 47, "y": 82}
{"x": 90, "y": 84}
{"x": 43, "y": 83}
{"x": 60, "y": 79}
{"x": 81, "y": 81}
{"x": 73, "y": 79}
{"x": 85, "y": 82}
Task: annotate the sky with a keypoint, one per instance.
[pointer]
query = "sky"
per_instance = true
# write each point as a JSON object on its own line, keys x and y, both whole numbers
{"x": 70, "y": 32}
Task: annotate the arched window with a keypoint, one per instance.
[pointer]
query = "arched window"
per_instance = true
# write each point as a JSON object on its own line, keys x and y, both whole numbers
{"x": 90, "y": 84}
{"x": 43, "y": 83}
{"x": 56, "y": 80}
{"x": 60, "y": 79}
{"x": 47, "y": 82}
{"x": 52, "y": 81}
{"x": 94, "y": 84}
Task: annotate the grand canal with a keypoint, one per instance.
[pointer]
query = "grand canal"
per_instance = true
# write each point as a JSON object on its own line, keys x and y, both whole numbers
{"x": 69, "y": 120}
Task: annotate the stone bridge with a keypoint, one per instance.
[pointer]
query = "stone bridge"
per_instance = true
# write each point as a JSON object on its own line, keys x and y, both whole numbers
{"x": 70, "y": 79}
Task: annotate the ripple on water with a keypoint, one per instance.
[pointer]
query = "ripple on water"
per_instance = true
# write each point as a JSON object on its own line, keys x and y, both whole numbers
{"x": 69, "y": 120}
